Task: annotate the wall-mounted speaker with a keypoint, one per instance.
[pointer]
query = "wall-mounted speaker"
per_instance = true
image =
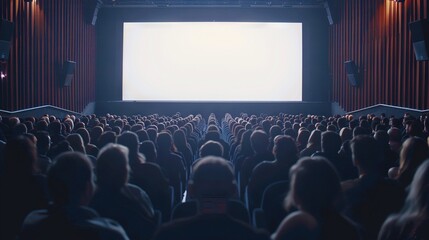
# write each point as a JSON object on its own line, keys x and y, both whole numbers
{"x": 93, "y": 7}
{"x": 330, "y": 13}
{"x": 352, "y": 73}
{"x": 6, "y": 33}
{"x": 69, "y": 67}
{"x": 420, "y": 37}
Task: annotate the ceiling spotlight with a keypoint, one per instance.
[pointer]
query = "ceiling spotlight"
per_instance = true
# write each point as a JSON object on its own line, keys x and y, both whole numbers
{"x": 397, "y": 0}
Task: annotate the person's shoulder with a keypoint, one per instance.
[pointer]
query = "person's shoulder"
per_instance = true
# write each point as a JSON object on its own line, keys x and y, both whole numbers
{"x": 297, "y": 225}
{"x": 35, "y": 217}
{"x": 348, "y": 185}
{"x": 107, "y": 228}
{"x": 389, "y": 227}
{"x": 263, "y": 166}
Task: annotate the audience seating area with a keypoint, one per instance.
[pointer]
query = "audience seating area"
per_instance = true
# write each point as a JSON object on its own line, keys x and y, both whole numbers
{"x": 214, "y": 177}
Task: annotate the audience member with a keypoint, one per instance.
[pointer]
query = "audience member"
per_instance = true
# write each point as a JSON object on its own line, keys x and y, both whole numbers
{"x": 413, "y": 220}
{"x": 212, "y": 178}
{"x": 115, "y": 198}
{"x": 22, "y": 188}
{"x": 315, "y": 191}
{"x": 71, "y": 186}
{"x": 371, "y": 197}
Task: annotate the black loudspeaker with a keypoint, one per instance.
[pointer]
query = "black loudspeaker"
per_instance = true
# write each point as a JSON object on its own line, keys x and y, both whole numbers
{"x": 6, "y": 33}
{"x": 69, "y": 67}
{"x": 352, "y": 73}
{"x": 420, "y": 37}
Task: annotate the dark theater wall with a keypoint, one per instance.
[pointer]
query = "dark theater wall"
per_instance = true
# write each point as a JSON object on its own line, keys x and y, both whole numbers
{"x": 375, "y": 34}
{"x": 47, "y": 33}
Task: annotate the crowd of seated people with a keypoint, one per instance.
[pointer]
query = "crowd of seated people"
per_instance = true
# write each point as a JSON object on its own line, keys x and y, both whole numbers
{"x": 232, "y": 177}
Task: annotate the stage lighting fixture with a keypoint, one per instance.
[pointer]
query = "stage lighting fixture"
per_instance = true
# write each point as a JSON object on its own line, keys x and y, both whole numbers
{"x": 397, "y": 1}
{"x": 28, "y": 1}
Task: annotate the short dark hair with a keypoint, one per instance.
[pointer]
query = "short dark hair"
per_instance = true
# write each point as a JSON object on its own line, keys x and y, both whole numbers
{"x": 212, "y": 177}
{"x": 366, "y": 150}
{"x": 68, "y": 177}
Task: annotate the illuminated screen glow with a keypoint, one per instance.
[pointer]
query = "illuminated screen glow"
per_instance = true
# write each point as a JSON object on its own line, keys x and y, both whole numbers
{"x": 212, "y": 61}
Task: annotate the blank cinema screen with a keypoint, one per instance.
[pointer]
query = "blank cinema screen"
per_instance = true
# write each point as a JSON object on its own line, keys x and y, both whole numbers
{"x": 212, "y": 61}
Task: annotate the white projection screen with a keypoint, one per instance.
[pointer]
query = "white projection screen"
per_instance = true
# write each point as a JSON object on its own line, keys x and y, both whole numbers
{"x": 212, "y": 61}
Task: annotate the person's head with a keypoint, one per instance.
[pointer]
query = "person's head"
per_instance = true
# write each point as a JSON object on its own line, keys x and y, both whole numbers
{"x": 413, "y": 127}
{"x": 164, "y": 141}
{"x": 302, "y": 138}
{"x": 179, "y": 138}
{"x": 275, "y": 130}
{"x": 95, "y": 134}
{"x": 215, "y": 135}
{"x": 106, "y": 138}
{"x": 314, "y": 185}
{"x": 259, "y": 141}
{"x": 19, "y": 129}
{"x": 152, "y": 133}
{"x": 414, "y": 151}
{"x": 346, "y": 134}
{"x": 211, "y": 148}
{"x": 212, "y": 177}
{"x": 285, "y": 148}
{"x": 76, "y": 142}
{"x": 54, "y": 128}
{"x": 84, "y": 134}
{"x": 129, "y": 140}
{"x": 20, "y": 157}
{"x": 70, "y": 179}
{"x": 112, "y": 167}
{"x": 148, "y": 149}
{"x": 315, "y": 139}
{"x": 417, "y": 202}
{"x": 365, "y": 154}
{"x": 331, "y": 142}
{"x": 382, "y": 138}
{"x": 43, "y": 142}
{"x": 142, "y": 134}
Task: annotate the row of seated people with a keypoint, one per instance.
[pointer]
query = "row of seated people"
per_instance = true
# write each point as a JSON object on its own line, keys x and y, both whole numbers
{"x": 166, "y": 166}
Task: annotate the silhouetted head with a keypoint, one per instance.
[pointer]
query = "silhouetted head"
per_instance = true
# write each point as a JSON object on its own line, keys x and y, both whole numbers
{"x": 106, "y": 138}
{"x": 259, "y": 141}
{"x": 179, "y": 138}
{"x": 331, "y": 142}
{"x": 211, "y": 148}
{"x": 76, "y": 142}
{"x": 70, "y": 179}
{"x": 129, "y": 140}
{"x": 366, "y": 154}
{"x": 43, "y": 142}
{"x": 148, "y": 149}
{"x": 84, "y": 134}
{"x": 314, "y": 185}
{"x": 54, "y": 128}
{"x": 346, "y": 134}
{"x": 212, "y": 177}
{"x": 285, "y": 148}
{"x": 414, "y": 151}
{"x": 112, "y": 167}
{"x": 164, "y": 141}
{"x": 20, "y": 156}
{"x": 417, "y": 202}
{"x": 95, "y": 134}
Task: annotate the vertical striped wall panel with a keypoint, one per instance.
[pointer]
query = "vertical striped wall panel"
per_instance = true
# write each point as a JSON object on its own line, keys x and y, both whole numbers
{"x": 47, "y": 33}
{"x": 375, "y": 33}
